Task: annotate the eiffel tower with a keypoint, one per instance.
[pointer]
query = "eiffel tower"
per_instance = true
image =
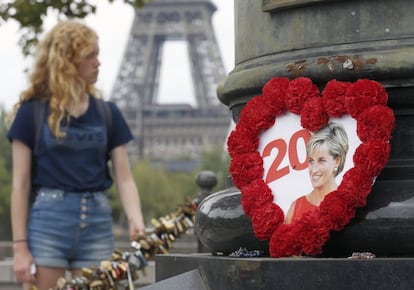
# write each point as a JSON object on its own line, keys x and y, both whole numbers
{"x": 174, "y": 131}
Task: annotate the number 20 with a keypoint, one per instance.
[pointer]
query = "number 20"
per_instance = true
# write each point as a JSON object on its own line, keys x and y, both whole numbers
{"x": 275, "y": 172}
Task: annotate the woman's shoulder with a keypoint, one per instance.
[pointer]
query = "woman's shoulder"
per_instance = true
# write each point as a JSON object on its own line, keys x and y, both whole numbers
{"x": 25, "y": 109}
{"x": 113, "y": 106}
{"x": 110, "y": 104}
{"x": 303, "y": 200}
{"x": 27, "y": 105}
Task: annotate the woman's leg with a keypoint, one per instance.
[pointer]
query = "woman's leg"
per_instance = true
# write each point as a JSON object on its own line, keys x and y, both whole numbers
{"x": 47, "y": 277}
{"x": 76, "y": 273}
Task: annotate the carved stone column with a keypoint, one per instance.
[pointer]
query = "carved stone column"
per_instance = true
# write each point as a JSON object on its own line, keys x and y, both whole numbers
{"x": 344, "y": 40}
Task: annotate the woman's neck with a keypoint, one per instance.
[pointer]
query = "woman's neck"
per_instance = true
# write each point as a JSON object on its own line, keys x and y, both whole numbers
{"x": 77, "y": 110}
{"x": 318, "y": 194}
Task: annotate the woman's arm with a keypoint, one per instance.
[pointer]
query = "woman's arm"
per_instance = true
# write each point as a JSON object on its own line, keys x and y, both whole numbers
{"x": 289, "y": 215}
{"x": 21, "y": 185}
{"x": 128, "y": 192}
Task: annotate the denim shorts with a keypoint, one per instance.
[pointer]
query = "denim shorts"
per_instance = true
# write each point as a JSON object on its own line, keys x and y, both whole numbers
{"x": 70, "y": 230}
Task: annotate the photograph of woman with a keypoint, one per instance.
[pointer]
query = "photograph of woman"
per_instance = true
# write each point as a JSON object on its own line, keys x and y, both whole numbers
{"x": 326, "y": 150}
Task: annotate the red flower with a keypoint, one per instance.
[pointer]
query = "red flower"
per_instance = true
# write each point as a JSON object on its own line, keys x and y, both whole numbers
{"x": 372, "y": 156}
{"x": 249, "y": 205}
{"x": 258, "y": 191}
{"x": 266, "y": 219}
{"x": 274, "y": 92}
{"x": 313, "y": 116}
{"x": 333, "y": 98}
{"x": 245, "y": 168}
{"x": 354, "y": 188}
{"x": 298, "y": 91}
{"x": 241, "y": 141}
{"x": 256, "y": 116}
{"x": 335, "y": 212}
{"x": 316, "y": 233}
{"x": 363, "y": 94}
{"x": 285, "y": 241}
{"x": 375, "y": 123}
{"x": 255, "y": 195}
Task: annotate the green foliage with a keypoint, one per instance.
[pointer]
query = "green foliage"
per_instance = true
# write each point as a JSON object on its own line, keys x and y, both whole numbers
{"x": 30, "y": 15}
{"x": 5, "y": 179}
{"x": 162, "y": 191}
{"x": 218, "y": 161}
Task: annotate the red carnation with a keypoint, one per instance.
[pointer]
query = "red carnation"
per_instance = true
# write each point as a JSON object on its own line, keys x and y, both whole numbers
{"x": 274, "y": 92}
{"x": 313, "y": 116}
{"x": 241, "y": 141}
{"x": 258, "y": 191}
{"x": 371, "y": 157}
{"x": 285, "y": 241}
{"x": 375, "y": 123}
{"x": 335, "y": 212}
{"x": 256, "y": 115}
{"x": 316, "y": 233}
{"x": 354, "y": 188}
{"x": 266, "y": 219}
{"x": 333, "y": 97}
{"x": 248, "y": 205}
{"x": 363, "y": 94}
{"x": 245, "y": 168}
{"x": 298, "y": 91}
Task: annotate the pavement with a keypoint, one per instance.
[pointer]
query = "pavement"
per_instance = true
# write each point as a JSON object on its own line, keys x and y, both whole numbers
{"x": 7, "y": 281}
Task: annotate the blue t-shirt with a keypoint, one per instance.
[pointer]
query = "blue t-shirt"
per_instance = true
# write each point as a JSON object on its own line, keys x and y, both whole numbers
{"x": 79, "y": 161}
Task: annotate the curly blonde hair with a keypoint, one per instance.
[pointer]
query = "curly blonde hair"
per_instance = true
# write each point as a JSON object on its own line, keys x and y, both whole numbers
{"x": 55, "y": 75}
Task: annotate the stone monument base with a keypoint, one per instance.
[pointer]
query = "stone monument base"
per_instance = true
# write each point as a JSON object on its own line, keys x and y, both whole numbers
{"x": 206, "y": 271}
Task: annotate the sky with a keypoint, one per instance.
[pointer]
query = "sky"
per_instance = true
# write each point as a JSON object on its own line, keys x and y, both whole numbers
{"x": 112, "y": 22}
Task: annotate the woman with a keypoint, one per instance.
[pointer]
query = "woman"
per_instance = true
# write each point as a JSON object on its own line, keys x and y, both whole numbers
{"x": 326, "y": 149}
{"x": 69, "y": 224}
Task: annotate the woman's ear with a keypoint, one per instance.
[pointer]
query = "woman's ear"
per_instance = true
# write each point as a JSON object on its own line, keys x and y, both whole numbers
{"x": 338, "y": 161}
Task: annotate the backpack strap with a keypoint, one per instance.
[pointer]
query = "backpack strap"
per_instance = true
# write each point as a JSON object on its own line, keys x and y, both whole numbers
{"x": 39, "y": 109}
{"x": 105, "y": 111}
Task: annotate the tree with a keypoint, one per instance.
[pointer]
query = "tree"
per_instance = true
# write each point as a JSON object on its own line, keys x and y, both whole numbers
{"x": 162, "y": 191}
{"x": 5, "y": 179}
{"x": 30, "y": 15}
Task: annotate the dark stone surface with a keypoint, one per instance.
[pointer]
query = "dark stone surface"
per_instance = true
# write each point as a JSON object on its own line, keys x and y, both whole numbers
{"x": 222, "y": 272}
{"x": 190, "y": 280}
{"x": 222, "y": 226}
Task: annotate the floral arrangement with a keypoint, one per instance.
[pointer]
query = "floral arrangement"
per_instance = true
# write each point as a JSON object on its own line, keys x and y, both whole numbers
{"x": 365, "y": 101}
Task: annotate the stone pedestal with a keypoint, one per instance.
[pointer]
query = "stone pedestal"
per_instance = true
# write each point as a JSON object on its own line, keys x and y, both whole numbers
{"x": 220, "y": 273}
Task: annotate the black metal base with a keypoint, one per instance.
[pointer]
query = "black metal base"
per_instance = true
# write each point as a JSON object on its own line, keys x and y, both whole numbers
{"x": 205, "y": 271}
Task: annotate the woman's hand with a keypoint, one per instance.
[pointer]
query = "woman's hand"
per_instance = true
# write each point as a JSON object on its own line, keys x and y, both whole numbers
{"x": 136, "y": 229}
{"x": 128, "y": 192}
{"x": 22, "y": 263}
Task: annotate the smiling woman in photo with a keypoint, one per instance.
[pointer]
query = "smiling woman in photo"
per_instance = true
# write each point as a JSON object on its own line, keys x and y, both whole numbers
{"x": 326, "y": 149}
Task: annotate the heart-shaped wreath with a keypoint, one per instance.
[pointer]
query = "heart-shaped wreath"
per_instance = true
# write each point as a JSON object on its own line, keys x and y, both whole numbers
{"x": 365, "y": 101}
